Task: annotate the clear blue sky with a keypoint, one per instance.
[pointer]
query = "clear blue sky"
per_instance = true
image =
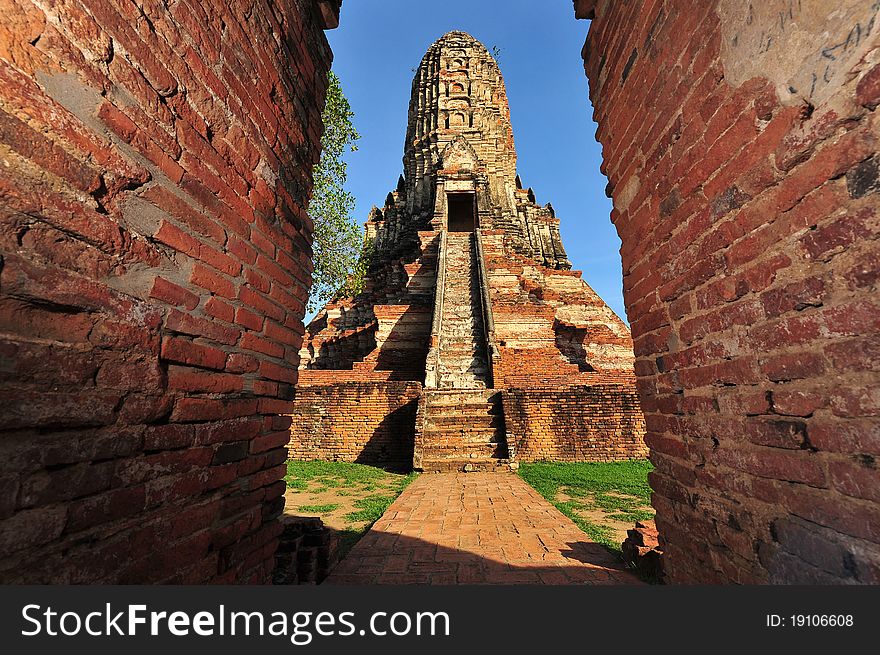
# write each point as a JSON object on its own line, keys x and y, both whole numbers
{"x": 380, "y": 42}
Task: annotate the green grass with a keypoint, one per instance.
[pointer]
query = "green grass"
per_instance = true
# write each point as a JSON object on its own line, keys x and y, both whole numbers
{"x": 371, "y": 508}
{"x": 348, "y": 480}
{"x": 619, "y": 489}
{"x": 296, "y": 483}
{"x": 348, "y": 538}
{"x": 319, "y": 509}
{"x": 331, "y": 474}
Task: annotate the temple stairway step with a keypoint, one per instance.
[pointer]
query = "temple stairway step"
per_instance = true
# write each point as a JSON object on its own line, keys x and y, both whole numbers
{"x": 463, "y": 361}
{"x": 461, "y": 430}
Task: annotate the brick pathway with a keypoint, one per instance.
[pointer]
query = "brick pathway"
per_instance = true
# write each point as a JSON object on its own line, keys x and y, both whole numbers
{"x": 476, "y": 528}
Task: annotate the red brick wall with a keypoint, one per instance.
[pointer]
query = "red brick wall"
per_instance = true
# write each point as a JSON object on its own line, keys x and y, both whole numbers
{"x": 745, "y": 195}
{"x": 155, "y": 252}
{"x": 599, "y": 423}
{"x": 365, "y": 422}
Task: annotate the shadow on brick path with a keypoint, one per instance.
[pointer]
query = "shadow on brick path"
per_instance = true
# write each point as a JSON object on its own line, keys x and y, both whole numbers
{"x": 476, "y": 528}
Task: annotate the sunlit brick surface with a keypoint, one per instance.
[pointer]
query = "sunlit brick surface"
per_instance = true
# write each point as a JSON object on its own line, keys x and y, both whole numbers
{"x": 476, "y": 528}
{"x": 154, "y": 254}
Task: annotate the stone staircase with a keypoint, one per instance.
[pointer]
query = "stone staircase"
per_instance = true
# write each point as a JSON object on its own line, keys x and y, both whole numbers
{"x": 463, "y": 361}
{"x": 462, "y": 430}
{"x": 461, "y": 423}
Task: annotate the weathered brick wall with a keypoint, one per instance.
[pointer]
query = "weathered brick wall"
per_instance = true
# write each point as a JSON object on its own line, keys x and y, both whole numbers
{"x": 599, "y": 423}
{"x": 740, "y": 142}
{"x": 551, "y": 329}
{"x": 156, "y": 162}
{"x": 365, "y": 422}
{"x": 365, "y": 335}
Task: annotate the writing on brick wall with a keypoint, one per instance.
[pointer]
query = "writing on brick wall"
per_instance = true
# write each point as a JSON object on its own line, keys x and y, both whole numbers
{"x": 804, "y": 46}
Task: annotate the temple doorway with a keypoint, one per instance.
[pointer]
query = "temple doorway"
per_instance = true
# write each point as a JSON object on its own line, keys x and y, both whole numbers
{"x": 462, "y": 212}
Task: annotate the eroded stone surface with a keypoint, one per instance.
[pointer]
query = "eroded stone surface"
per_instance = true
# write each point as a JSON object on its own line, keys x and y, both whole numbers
{"x": 749, "y": 228}
{"x": 806, "y": 47}
{"x": 154, "y": 177}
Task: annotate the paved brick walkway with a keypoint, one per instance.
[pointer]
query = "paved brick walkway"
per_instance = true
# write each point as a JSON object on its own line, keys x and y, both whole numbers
{"x": 476, "y": 528}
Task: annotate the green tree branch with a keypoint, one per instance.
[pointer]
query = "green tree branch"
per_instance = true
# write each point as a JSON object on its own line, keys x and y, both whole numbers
{"x": 338, "y": 240}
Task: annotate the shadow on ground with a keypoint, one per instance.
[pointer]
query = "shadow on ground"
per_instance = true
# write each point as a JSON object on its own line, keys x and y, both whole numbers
{"x": 385, "y": 558}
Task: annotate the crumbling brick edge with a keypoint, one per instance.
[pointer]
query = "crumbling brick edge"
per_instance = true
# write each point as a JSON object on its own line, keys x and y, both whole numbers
{"x": 307, "y": 552}
{"x": 642, "y": 551}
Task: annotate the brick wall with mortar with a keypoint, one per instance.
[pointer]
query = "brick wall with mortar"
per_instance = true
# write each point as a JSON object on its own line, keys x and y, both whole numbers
{"x": 365, "y": 422}
{"x": 740, "y": 143}
{"x": 745, "y": 198}
{"x": 599, "y": 423}
{"x": 551, "y": 328}
{"x": 155, "y": 255}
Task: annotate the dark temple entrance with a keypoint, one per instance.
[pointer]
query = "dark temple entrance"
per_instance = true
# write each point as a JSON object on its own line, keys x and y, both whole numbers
{"x": 462, "y": 212}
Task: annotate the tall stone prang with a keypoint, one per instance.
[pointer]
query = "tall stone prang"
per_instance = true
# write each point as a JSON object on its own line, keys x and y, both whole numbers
{"x": 473, "y": 345}
{"x": 460, "y": 140}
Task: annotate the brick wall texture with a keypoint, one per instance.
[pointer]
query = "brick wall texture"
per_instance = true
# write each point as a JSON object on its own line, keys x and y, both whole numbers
{"x": 156, "y": 161}
{"x": 374, "y": 423}
{"x": 740, "y": 143}
{"x": 599, "y": 423}
{"x": 365, "y": 422}
{"x": 155, "y": 249}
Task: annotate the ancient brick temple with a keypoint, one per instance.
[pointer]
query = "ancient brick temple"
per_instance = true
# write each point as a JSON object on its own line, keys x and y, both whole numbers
{"x": 155, "y": 252}
{"x": 473, "y": 344}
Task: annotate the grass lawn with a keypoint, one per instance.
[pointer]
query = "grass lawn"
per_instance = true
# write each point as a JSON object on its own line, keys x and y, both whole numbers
{"x": 604, "y": 499}
{"x": 349, "y": 498}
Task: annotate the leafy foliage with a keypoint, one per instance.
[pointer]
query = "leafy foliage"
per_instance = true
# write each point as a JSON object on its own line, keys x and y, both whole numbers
{"x": 357, "y": 279}
{"x": 338, "y": 239}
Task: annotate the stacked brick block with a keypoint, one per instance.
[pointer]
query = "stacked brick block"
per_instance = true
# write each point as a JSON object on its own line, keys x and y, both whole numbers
{"x": 307, "y": 553}
{"x": 461, "y": 430}
{"x": 382, "y": 332}
{"x": 155, "y": 261}
{"x": 367, "y": 422}
{"x": 740, "y": 142}
{"x": 599, "y": 423}
{"x": 155, "y": 254}
{"x": 641, "y": 551}
{"x": 461, "y": 311}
